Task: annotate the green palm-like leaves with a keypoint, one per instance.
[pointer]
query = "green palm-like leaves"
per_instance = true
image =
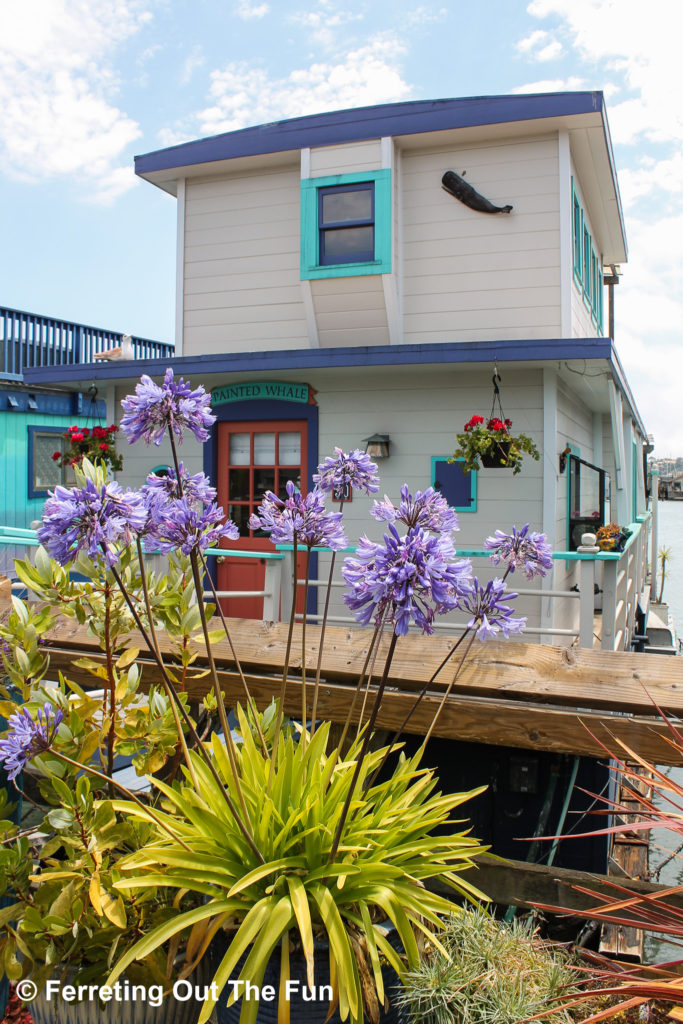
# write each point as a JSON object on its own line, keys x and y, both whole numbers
{"x": 387, "y": 854}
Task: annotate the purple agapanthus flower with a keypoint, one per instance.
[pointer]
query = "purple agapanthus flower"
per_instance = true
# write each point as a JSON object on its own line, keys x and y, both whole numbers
{"x": 195, "y": 489}
{"x": 28, "y": 737}
{"x": 154, "y": 409}
{"x": 405, "y": 579}
{"x": 182, "y": 525}
{"x": 521, "y": 547}
{"x": 490, "y": 614}
{"x": 428, "y": 509}
{"x": 302, "y": 517}
{"x": 96, "y": 520}
{"x": 340, "y": 470}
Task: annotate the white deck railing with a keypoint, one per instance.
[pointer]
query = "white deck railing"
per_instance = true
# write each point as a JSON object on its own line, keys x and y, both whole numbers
{"x": 621, "y": 579}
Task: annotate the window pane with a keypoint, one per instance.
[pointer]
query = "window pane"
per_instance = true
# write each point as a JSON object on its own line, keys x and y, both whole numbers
{"x": 264, "y": 449}
{"x": 239, "y": 449}
{"x": 340, "y": 206}
{"x": 240, "y": 517}
{"x": 238, "y": 485}
{"x": 344, "y": 244}
{"x": 264, "y": 480}
{"x": 46, "y": 472}
{"x": 290, "y": 449}
{"x": 284, "y": 478}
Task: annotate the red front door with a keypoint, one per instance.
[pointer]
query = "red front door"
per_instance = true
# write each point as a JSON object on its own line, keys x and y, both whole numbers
{"x": 254, "y": 457}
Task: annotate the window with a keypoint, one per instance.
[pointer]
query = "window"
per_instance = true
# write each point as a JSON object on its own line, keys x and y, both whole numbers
{"x": 588, "y": 497}
{"x": 346, "y": 225}
{"x": 458, "y": 488}
{"x": 43, "y": 472}
{"x": 587, "y": 263}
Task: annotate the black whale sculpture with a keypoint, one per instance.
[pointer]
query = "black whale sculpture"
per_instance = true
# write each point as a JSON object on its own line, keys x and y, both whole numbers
{"x": 463, "y": 191}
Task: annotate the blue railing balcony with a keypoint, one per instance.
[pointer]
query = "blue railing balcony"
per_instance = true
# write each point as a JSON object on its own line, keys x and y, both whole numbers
{"x": 28, "y": 340}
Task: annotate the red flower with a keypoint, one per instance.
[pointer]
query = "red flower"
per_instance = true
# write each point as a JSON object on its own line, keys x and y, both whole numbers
{"x": 85, "y": 431}
{"x": 508, "y": 423}
{"x": 474, "y": 422}
{"x": 77, "y": 437}
{"x": 103, "y": 447}
{"x": 99, "y": 432}
{"x": 496, "y": 424}
{"x": 113, "y": 428}
{"x": 56, "y": 455}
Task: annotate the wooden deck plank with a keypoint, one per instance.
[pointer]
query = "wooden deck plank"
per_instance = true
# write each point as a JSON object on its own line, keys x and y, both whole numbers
{"x": 567, "y": 677}
{"x": 490, "y": 720}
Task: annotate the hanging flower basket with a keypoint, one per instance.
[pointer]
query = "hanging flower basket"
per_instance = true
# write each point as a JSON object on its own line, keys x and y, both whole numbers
{"x": 489, "y": 444}
{"x": 97, "y": 444}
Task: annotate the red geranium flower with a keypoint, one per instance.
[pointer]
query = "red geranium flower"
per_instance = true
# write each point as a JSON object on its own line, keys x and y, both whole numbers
{"x": 496, "y": 424}
{"x": 103, "y": 447}
{"x": 474, "y": 422}
{"x": 56, "y": 455}
{"x": 113, "y": 428}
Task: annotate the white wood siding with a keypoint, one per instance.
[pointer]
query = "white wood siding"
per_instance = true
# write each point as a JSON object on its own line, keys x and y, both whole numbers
{"x": 242, "y": 290}
{"x": 350, "y": 311}
{"x": 473, "y": 276}
{"x": 355, "y": 156}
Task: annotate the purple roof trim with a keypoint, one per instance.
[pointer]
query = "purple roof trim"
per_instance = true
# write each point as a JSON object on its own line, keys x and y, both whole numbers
{"x": 360, "y": 123}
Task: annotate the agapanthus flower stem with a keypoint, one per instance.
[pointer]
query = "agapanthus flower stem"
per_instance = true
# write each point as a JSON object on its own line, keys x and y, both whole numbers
{"x": 233, "y": 651}
{"x": 364, "y": 749}
{"x": 448, "y": 689}
{"x": 321, "y": 642}
{"x": 174, "y": 710}
{"x": 361, "y": 679}
{"x": 304, "y": 708}
{"x": 172, "y": 695}
{"x": 225, "y": 725}
{"x": 285, "y": 669}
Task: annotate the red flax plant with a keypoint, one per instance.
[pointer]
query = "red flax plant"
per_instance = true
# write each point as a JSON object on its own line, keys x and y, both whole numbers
{"x": 659, "y": 799}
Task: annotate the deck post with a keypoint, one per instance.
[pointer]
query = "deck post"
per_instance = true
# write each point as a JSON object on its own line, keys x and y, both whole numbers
{"x": 654, "y": 564}
{"x": 587, "y": 589}
{"x": 273, "y": 589}
{"x": 609, "y": 604}
{"x": 286, "y": 586}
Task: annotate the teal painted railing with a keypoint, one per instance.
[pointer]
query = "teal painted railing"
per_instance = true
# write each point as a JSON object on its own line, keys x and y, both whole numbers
{"x": 28, "y": 340}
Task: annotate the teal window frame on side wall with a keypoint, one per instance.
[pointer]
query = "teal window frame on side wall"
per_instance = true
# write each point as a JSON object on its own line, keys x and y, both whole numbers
{"x": 472, "y": 477}
{"x": 587, "y": 265}
{"x": 311, "y": 267}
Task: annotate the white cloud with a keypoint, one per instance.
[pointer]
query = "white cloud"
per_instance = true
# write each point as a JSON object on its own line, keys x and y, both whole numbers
{"x": 192, "y": 62}
{"x": 541, "y": 46}
{"x": 424, "y": 16}
{"x": 244, "y": 95}
{"x": 246, "y": 10}
{"x": 571, "y": 84}
{"x": 323, "y": 22}
{"x": 56, "y": 90}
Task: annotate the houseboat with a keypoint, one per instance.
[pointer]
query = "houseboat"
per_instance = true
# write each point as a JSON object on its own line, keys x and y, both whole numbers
{"x": 376, "y": 277}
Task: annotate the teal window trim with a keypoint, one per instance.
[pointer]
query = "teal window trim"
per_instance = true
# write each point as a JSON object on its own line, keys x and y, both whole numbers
{"x": 586, "y": 264}
{"x": 573, "y": 450}
{"x": 472, "y": 506}
{"x": 311, "y": 269}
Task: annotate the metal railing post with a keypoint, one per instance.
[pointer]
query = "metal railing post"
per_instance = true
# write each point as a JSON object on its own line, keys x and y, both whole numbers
{"x": 287, "y": 586}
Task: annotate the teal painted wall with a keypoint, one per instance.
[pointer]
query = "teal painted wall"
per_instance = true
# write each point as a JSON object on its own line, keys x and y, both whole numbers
{"x": 16, "y": 508}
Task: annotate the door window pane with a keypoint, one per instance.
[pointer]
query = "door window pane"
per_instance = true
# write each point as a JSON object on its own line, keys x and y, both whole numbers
{"x": 238, "y": 485}
{"x": 264, "y": 480}
{"x": 46, "y": 472}
{"x": 264, "y": 449}
{"x": 240, "y": 517}
{"x": 290, "y": 449}
{"x": 295, "y": 477}
{"x": 239, "y": 450}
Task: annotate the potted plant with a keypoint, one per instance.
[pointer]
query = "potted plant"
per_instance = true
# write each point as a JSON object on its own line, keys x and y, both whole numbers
{"x": 279, "y": 836}
{"x": 612, "y": 537}
{"x": 490, "y": 444}
{"x": 97, "y": 444}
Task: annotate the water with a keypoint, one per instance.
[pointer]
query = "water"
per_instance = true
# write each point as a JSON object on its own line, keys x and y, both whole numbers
{"x": 670, "y": 535}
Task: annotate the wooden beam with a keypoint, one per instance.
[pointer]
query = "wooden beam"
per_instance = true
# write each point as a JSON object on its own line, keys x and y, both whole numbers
{"x": 475, "y": 719}
{"x": 571, "y": 678}
{"x": 516, "y": 883}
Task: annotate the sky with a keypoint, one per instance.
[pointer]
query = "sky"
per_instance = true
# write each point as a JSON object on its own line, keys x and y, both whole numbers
{"x": 87, "y": 84}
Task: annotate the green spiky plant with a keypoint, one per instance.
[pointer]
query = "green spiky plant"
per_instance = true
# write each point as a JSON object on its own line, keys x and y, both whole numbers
{"x": 304, "y": 890}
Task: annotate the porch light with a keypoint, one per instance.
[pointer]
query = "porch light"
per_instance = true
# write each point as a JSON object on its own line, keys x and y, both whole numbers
{"x": 377, "y": 446}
